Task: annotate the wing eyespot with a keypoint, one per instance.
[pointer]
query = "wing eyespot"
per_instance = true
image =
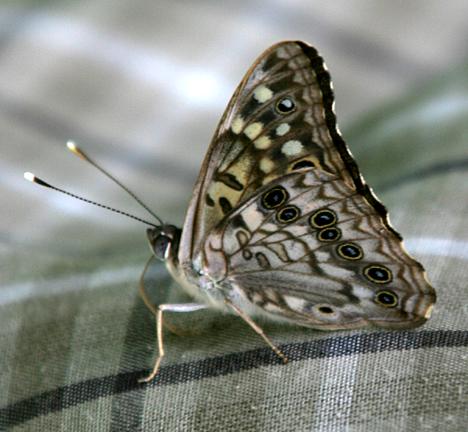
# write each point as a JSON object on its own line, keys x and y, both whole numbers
{"x": 327, "y": 310}
{"x": 323, "y": 218}
{"x": 274, "y": 198}
{"x": 378, "y": 274}
{"x": 288, "y": 214}
{"x": 329, "y": 234}
{"x": 386, "y": 299}
{"x": 285, "y": 105}
{"x": 350, "y": 251}
{"x": 324, "y": 309}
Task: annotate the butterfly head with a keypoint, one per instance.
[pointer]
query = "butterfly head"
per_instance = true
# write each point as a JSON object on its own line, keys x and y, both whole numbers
{"x": 163, "y": 241}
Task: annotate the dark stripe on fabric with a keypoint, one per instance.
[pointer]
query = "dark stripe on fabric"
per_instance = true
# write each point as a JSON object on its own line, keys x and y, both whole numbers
{"x": 127, "y": 407}
{"x": 74, "y": 394}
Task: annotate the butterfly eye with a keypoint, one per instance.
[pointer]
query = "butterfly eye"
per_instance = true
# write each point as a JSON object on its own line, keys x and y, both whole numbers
{"x": 288, "y": 214}
{"x": 378, "y": 274}
{"x": 386, "y": 298}
{"x": 350, "y": 251}
{"x": 161, "y": 246}
{"x": 274, "y": 198}
{"x": 285, "y": 105}
{"x": 323, "y": 218}
{"x": 329, "y": 234}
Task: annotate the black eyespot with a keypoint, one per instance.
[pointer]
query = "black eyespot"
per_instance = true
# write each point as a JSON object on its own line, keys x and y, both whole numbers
{"x": 275, "y": 197}
{"x": 378, "y": 274}
{"x": 303, "y": 164}
{"x": 350, "y": 251}
{"x": 325, "y": 309}
{"x": 285, "y": 105}
{"x": 386, "y": 298}
{"x": 329, "y": 234}
{"x": 288, "y": 214}
{"x": 323, "y": 218}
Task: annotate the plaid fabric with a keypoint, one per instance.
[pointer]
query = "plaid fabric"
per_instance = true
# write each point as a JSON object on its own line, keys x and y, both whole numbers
{"x": 140, "y": 85}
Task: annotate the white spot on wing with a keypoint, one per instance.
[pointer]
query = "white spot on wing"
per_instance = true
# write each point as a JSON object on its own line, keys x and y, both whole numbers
{"x": 291, "y": 148}
{"x": 253, "y": 130}
{"x": 266, "y": 165}
{"x": 262, "y": 94}
{"x": 295, "y": 303}
{"x": 237, "y": 125}
{"x": 262, "y": 143}
{"x": 283, "y": 129}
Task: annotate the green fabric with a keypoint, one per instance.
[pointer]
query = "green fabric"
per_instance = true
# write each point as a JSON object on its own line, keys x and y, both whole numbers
{"x": 75, "y": 336}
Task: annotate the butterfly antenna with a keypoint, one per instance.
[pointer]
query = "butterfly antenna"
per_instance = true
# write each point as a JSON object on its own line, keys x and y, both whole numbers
{"x": 34, "y": 179}
{"x": 82, "y": 155}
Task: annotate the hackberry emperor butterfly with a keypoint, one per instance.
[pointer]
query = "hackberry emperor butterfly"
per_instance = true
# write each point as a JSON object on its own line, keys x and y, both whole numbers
{"x": 281, "y": 223}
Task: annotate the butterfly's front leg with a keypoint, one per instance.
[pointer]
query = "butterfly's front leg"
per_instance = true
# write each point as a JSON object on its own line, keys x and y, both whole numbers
{"x": 157, "y": 311}
{"x": 181, "y": 307}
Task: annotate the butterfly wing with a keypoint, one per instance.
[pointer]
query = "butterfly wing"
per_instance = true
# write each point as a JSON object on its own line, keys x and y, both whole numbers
{"x": 280, "y": 118}
{"x": 310, "y": 249}
{"x": 279, "y": 131}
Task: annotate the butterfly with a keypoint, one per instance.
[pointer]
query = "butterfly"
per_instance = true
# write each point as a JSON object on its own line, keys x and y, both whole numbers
{"x": 281, "y": 223}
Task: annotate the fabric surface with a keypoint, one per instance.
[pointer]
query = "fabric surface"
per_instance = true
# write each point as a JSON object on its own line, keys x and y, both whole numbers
{"x": 141, "y": 85}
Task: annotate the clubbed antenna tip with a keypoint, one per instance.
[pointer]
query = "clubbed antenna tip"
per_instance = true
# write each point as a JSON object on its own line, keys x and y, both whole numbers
{"x": 32, "y": 178}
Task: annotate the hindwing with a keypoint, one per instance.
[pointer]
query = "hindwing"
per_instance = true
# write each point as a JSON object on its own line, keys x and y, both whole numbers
{"x": 307, "y": 247}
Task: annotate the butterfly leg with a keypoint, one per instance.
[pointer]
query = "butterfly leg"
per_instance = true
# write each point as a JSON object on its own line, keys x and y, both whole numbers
{"x": 182, "y": 307}
{"x": 157, "y": 311}
{"x": 148, "y": 303}
{"x": 258, "y": 330}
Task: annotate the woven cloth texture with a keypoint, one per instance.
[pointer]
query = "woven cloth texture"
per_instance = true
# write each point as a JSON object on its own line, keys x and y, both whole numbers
{"x": 140, "y": 85}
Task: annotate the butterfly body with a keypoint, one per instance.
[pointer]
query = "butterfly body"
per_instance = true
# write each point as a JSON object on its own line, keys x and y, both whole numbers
{"x": 281, "y": 222}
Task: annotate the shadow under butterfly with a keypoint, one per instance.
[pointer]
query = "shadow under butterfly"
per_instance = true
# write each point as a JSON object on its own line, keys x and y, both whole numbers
{"x": 282, "y": 223}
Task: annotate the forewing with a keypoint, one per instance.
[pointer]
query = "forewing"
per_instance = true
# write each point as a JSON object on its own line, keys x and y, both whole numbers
{"x": 280, "y": 118}
{"x": 309, "y": 248}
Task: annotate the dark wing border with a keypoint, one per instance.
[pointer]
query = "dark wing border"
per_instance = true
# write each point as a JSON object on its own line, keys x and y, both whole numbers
{"x": 328, "y": 97}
